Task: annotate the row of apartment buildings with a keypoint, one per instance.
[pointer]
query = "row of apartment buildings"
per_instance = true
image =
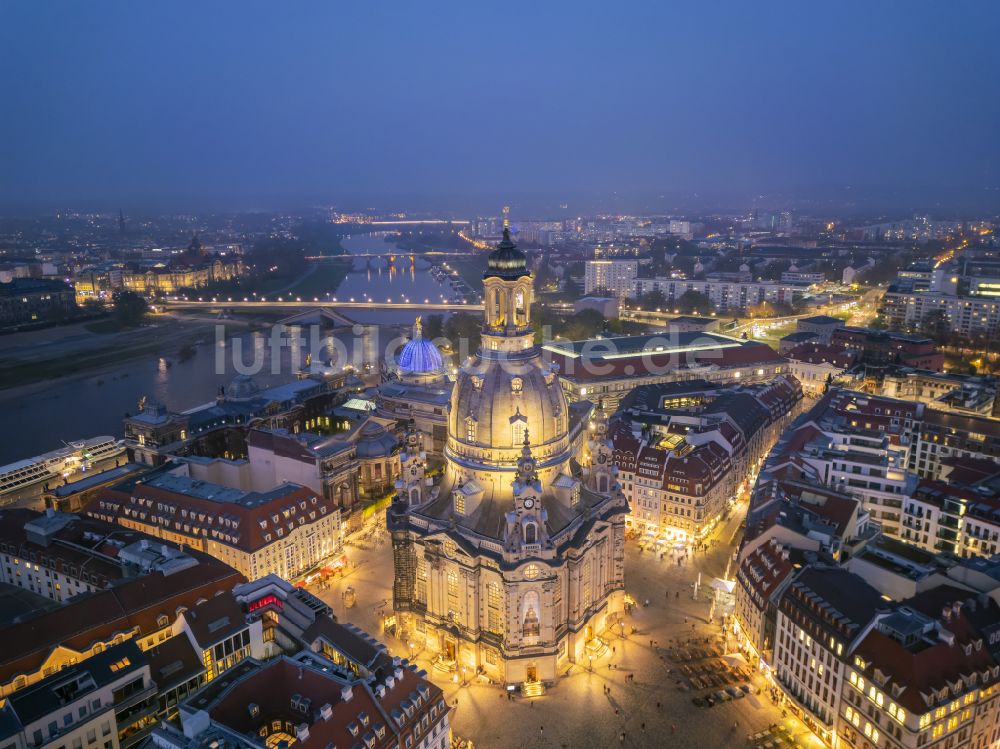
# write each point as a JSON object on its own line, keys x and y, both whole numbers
{"x": 620, "y": 278}
{"x": 927, "y": 476}
{"x": 141, "y": 659}
{"x": 873, "y": 642}
{"x": 682, "y": 450}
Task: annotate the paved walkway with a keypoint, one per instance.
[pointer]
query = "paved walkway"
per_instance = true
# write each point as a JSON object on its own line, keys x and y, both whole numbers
{"x": 593, "y": 708}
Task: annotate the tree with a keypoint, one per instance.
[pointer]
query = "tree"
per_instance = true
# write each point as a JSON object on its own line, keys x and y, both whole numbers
{"x": 463, "y": 331}
{"x": 274, "y": 257}
{"x": 935, "y": 325}
{"x": 584, "y": 324}
{"x": 130, "y": 308}
{"x": 571, "y": 290}
{"x": 652, "y": 300}
{"x": 694, "y": 301}
{"x": 433, "y": 326}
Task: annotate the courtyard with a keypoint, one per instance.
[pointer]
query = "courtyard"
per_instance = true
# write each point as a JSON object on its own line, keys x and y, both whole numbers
{"x": 638, "y": 693}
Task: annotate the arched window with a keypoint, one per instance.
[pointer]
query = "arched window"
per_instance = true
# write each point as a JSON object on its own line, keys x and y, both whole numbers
{"x": 517, "y": 432}
{"x": 602, "y": 483}
{"x": 497, "y": 306}
{"x": 531, "y": 625}
{"x": 530, "y": 533}
{"x": 414, "y": 496}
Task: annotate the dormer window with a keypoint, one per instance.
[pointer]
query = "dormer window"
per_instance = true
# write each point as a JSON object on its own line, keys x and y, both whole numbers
{"x": 518, "y": 427}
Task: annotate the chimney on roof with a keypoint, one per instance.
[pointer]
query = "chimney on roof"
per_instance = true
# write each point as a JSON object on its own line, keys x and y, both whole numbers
{"x": 946, "y": 614}
{"x": 346, "y": 693}
{"x": 398, "y": 673}
{"x": 326, "y": 711}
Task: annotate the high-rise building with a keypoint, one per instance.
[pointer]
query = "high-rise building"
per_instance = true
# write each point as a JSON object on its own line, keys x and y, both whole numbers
{"x": 511, "y": 565}
{"x": 610, "y": 276}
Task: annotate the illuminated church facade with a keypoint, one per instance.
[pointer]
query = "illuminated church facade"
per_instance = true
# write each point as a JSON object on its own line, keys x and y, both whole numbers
{"x": 512, "y": 565}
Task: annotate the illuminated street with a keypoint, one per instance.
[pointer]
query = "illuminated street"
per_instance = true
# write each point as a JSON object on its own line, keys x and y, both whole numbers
{"x": 485, "y": 714}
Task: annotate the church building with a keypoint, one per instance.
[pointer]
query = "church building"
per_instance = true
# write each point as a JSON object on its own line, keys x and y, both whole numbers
{"x": 512, "y": 563}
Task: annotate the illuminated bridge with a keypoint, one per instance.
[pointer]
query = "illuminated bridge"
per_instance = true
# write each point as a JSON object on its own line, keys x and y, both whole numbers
{"x": 300, "y": 303}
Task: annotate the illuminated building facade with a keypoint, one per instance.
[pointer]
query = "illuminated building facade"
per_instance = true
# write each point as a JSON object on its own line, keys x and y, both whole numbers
{"x": 513, "y": 564}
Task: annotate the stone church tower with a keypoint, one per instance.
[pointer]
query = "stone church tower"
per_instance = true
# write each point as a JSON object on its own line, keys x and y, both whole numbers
{"x": 513, "y": 564}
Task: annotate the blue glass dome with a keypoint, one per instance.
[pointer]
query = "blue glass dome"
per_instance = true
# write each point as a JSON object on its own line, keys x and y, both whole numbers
{"x": 420, "y": 355}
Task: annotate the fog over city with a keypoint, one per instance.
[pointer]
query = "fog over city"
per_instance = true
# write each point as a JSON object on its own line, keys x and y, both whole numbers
{"x": 615, "y": 107}
{"x": 382, "y": 374}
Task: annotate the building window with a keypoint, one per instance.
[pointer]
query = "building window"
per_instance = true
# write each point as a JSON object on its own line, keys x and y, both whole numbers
{"x": 518, "y": 428}
{"x": 530, "y": 623}
{"x": 459, "y": 503}
{"x": 530, "y": 533}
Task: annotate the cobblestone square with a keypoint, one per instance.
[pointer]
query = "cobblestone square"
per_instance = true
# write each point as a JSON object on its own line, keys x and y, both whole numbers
{"x": 635, "y": 694}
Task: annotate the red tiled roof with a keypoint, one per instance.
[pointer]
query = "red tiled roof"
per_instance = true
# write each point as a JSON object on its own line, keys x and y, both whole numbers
{"x": 98, "y": 617}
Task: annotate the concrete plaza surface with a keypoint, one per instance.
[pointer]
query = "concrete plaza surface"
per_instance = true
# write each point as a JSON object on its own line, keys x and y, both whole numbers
{"x": 632, "y": 696}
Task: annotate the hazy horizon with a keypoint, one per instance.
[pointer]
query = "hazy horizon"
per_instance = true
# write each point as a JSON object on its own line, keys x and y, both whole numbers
{"x": 460, "y": 109}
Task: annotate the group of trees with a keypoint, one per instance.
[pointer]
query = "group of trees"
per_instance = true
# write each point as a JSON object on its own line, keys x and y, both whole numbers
{"x": 129, "y": 308}
{"x": 690, "y": 302}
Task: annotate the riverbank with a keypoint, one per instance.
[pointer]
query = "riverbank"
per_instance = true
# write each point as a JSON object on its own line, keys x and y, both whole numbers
{"x": 74, "y": 351}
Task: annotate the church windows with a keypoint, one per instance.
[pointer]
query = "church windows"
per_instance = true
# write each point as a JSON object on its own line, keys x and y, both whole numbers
{"x": 574, "y": 497}
{"x": 530, "y": 533}
{"x": 493, "y": 618}
{"x": 470, "y": 429}
{"x": 452, "y": 584}
{"x": 530, "y": 622}
{"x": 421, "y": 587}
{"x": 516, "y": 385}
{"x": 518, "y": 429}
{"x": 519, "y": 308}
{"x": 531, "y": 572}
{"x": 493, "y": 599}
{"x": 460, "y": 503}
{"x": 586, "y": 592}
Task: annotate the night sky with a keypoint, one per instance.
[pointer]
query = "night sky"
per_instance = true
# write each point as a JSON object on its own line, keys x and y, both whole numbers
{"x": 456, "y": 106}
